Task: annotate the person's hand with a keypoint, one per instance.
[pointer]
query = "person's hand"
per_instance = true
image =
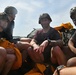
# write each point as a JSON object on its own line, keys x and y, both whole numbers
{"x": 36, "y": 47}
{"x": 43, "y": 46}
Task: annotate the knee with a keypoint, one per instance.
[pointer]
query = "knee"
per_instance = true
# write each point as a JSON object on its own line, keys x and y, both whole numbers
{"x": 56, "y": 50}
{"x": 71, "y": 63}
{"x": 3, "y": 52}
{"x": 30, "y": 49}
{"x": 11, "y": 58}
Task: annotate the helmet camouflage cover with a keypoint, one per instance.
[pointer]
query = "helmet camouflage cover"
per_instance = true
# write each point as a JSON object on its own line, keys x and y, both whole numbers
{"x": 10, "y": 10}
{"x": 72, "y": 11}
{"x": 44, "y": 15}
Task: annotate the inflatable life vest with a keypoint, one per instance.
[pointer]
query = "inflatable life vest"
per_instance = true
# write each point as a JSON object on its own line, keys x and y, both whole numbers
{"x": 6, "y": 44}
{"x": 40, "y": 69}
{"x": 66, "y": 30}
{"x": 67, "y": 25}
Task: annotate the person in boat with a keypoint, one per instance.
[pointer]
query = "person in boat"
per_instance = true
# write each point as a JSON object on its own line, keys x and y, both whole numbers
{"x": 21, "y": 44}
{"x": 71, "y": 63}
{"x": 7, "y": 54}
{"x": 66, "y": 30}
{"x": 41, "y": 50}
{"x": 71, "y": 43}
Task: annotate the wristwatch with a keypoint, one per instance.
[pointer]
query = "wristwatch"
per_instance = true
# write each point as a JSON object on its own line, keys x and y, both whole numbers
{"x": 49, "y": 41}
{"x": 59, "y": 68}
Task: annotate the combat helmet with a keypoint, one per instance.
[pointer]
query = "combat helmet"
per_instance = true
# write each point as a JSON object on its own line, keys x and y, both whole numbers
{"x": 72, "y": 12}
{"x": 44, "y": 15}
{"x": 10, "y": 10}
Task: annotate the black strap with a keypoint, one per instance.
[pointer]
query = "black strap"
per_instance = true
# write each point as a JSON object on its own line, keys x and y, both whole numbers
{"x": 48, "y": 70}
{"x": 59, "y": 68}
{"x": 58, "y": 72}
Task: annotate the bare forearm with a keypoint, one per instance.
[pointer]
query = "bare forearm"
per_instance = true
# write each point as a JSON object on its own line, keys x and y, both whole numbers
{"x": 71, "y": 46}
{"x": 66, "y": 71}
{"x": 33, "y": 42}
{"x": 56, "y": 43}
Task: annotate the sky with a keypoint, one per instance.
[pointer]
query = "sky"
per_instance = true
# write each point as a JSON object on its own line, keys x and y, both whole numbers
{"x": 29, "y": 11}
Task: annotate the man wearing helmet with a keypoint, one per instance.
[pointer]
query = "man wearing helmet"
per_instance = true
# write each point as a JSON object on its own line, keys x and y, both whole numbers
{"x": 22, "y": 45}
{"x": 6, "y": 60}
{"x": 23, "y": 42}
{"x": 43, "y": 41}
{"x": 69, "y": 50}
{"x": 72, "y": 41}
{"x": 71, "y": 63}
{"x": 11, "y": 13}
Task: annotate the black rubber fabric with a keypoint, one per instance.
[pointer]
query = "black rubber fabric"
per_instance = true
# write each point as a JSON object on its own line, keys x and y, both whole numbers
{"x": 47, "y": 54}
{"x": 48, "y": 71}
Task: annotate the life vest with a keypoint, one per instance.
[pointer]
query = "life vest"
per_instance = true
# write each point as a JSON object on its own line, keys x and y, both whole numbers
{"x": 6, "y": 44}
{"x": 66, "y": 33}
{"x": 40, "y": 69}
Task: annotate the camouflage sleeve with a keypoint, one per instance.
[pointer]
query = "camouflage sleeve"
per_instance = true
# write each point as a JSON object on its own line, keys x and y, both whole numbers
{"x": 73, "y": 38}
